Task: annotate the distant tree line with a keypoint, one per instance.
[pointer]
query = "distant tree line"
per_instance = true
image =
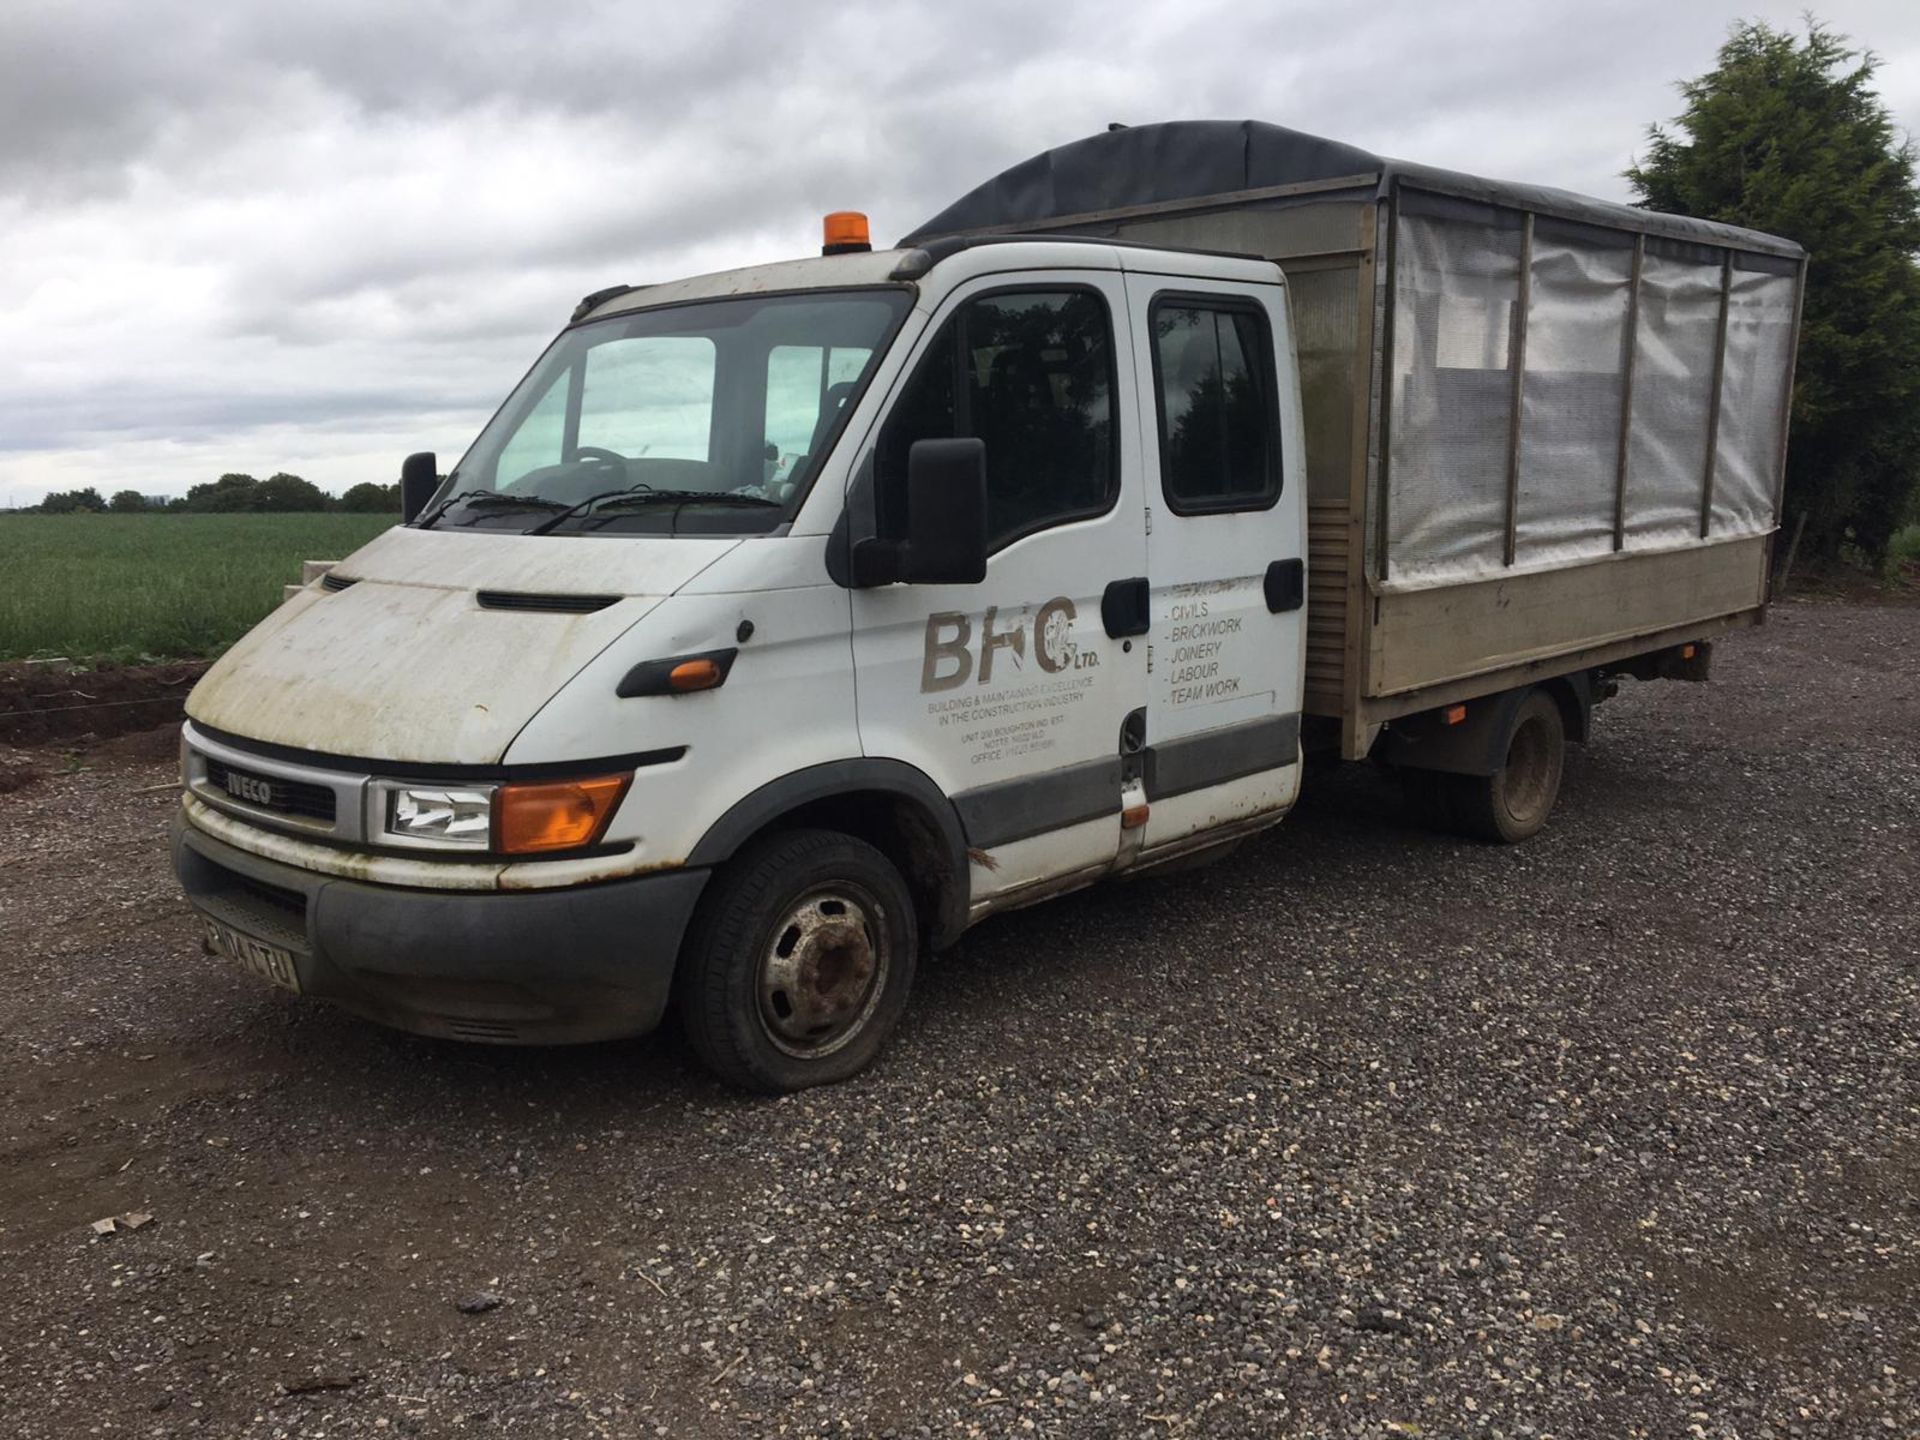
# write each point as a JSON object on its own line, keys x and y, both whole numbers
{"x": 280, "y": 494}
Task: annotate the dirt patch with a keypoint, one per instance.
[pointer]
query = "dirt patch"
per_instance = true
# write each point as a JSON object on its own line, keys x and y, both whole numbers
{"x": 1359, "y": 1131}
{"x": 17, "y": 770}
{"x": 43, "y": 703}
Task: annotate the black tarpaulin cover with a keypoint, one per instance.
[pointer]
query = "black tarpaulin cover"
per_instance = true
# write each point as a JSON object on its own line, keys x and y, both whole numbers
{"x": 1193, "y": 159}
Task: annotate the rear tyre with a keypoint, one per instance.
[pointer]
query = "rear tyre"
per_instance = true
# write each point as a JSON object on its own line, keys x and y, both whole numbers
{"x": 798, "y": 963}
{"x": 1513, "y": 803}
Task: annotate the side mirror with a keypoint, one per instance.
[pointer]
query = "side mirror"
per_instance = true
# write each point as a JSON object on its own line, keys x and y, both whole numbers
{"x": 946, "y": 518}
{"x": 419, "y": 478}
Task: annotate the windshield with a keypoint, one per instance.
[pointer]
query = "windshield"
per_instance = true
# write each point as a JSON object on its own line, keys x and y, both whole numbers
{"x": 707, "y": 418}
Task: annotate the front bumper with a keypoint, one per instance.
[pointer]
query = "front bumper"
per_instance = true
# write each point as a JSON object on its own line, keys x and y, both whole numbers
{"x": 594, "y": 962}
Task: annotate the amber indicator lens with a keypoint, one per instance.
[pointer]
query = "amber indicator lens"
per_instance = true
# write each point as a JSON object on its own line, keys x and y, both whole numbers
{"x": 562, "y": 815}
{"x": 695, "y": 675}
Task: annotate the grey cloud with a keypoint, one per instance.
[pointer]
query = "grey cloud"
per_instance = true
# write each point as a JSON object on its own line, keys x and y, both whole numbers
{"x": 30, "y": 423}
{"x": 307, "y": 218}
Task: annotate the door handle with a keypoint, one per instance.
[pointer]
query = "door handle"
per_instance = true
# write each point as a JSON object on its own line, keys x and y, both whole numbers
{"x": 1286, "y": 585}
{"x": 1126, "y": 607}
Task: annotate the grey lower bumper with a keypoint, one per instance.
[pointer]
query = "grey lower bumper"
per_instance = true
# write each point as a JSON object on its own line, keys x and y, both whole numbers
{"x": 592, "y": 962}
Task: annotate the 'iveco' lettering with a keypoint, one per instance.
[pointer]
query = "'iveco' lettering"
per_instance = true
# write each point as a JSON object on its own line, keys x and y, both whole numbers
{"x": 245, "y": 787}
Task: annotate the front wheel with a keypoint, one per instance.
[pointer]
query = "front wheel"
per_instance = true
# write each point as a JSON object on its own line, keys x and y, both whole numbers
{"x": 799, "y": 962}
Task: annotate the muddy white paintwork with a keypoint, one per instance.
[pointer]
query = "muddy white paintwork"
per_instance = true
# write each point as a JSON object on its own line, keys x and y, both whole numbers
{"x": 788, "y": 703}
{"x": 870, "y": 268}
{"x": 409, "y": 871}
{"x": 458, "y": 558}
{"x": 343, "y": 864}
{"x": 405, "y": 666}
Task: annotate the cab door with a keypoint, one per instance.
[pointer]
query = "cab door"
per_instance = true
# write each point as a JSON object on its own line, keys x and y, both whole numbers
{"x": 1011, "y": 694}
{"x": 1225, "y": 553}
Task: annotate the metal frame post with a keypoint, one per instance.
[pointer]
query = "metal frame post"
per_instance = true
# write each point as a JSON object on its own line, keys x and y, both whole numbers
{"x": 1517, "y": 363}
{"x": 1388, "y": 379}
{"x": 1626, "y": 392}
{"x": 1713, "y": 405}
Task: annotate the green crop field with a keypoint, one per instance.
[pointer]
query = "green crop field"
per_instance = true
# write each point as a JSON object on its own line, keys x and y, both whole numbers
{"x": 127, "y": 587}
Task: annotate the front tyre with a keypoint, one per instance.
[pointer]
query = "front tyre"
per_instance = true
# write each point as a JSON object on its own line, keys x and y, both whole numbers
{"x": 799, "y": 962}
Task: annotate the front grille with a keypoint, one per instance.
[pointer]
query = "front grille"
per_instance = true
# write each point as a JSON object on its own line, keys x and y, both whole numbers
{"x": 272, "y": 792}
{"x": 564, "y": 604}
{"x": 331, "y": 581}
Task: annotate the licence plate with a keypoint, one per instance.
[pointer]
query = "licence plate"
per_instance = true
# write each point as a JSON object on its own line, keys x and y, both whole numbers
{"x": 256, "y": 957}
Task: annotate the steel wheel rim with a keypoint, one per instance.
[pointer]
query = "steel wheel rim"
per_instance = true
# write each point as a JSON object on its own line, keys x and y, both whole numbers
{"x": 823, "y": 970}
{"x": 1528, "y": 781}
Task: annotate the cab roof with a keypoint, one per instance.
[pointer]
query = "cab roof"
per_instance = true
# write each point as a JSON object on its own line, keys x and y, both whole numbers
{"x": 955, "y": 259}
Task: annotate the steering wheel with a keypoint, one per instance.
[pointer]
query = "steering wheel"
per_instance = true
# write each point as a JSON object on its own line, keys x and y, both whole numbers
{"x": 594, "y": 452}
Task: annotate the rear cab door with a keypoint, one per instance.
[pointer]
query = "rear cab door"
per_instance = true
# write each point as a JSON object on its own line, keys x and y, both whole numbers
{"x": 1011, "y": 694}
{"x": 1224, "y": 478}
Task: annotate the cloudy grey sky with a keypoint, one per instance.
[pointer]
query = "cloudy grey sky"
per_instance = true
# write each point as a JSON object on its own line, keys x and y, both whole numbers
{"x": 314, "y": 235}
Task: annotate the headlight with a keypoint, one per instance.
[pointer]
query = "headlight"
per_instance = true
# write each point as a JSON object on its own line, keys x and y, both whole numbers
{"x": 507, "y": 819}
{"x": 435, "y": 816}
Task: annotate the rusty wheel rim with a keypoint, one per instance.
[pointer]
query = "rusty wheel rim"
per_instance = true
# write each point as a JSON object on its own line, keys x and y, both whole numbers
{"x": 822, "y": 971}
{"x": 1532, "y": 773}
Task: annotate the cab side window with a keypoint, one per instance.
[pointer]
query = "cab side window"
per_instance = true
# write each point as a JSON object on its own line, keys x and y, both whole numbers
{"x": 1219, "y": 420}
{"x": 1029, "y": 372}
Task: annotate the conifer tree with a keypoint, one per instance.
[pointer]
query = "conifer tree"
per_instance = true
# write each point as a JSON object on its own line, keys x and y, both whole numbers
{"x": 1786, "y": 134}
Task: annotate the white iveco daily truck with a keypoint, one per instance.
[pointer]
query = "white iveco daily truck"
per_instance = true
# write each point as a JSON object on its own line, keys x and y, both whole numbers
{"x": 785, "y": 622}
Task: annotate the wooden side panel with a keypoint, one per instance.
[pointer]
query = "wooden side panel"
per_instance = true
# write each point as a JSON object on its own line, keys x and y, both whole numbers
{"x": 1279, "y": 232}
{"x": 1329, "y": 555}
{"x": 1432, "y": 636}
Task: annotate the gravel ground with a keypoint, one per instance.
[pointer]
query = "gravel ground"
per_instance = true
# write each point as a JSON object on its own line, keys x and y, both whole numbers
{"x": 1359, "y": 1132}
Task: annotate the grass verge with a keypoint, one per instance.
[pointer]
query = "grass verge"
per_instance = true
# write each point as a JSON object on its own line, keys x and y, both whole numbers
{"x": 146, "y": 587}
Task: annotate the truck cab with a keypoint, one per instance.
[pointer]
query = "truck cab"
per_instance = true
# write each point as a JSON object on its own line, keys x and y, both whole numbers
{"x": 780, "y": 625}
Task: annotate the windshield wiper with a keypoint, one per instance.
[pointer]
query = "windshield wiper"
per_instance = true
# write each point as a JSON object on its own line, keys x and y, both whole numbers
{"x": 487, "y": 498}
{"x": 690, "y": 497}
{"x": 640, "y": 495}
{"x": 569, "y": 511}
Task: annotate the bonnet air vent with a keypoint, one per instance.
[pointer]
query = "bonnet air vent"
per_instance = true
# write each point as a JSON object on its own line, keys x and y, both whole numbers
{"x": 561, "y": 604}
{"x": 330, "y": 581}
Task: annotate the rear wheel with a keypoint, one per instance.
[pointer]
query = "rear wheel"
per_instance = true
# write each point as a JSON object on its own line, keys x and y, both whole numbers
{"x": 799, "y": 962}
{"x": 1514, "y": 802}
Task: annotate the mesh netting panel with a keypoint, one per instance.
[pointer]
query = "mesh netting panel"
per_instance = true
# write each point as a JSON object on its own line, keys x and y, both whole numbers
{"x": 1570, "y": 398}
{"x": 1753, "y": 393}
{"x": 1672, "y": 393}
{"x": 1455, "y": 286}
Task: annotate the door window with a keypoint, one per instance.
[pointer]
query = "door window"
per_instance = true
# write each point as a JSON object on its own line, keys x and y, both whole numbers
{"x": 1029, "y": 372}
{"x": 1219, "y": 424}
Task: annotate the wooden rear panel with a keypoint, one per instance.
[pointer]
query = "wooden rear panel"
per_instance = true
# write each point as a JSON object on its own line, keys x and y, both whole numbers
{"x": 1430, "y": 637}
{"x": 1330, "y": 556}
